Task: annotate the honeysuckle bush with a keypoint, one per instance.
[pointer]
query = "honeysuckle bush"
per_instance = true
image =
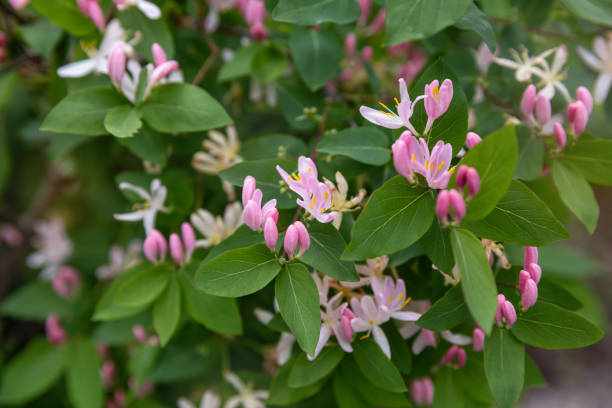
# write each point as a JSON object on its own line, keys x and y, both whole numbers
{"x": 297, "y": 202}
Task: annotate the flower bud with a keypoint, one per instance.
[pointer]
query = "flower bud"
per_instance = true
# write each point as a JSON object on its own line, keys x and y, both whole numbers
{"x": 107, "y": 372}
{"x": 443, "y": 205}
{"x": 509, "y": 313}
{"x": 530, "y": 256}
{"x": 501, "y": 299}
{"x": 19, "y": 4}
{"x": 116, "y": 65}
{"x": 450, "y": 355}
{"x": 417, "y": 392}
{"x": 159, "y": 55}
{"x": 523, "y": 278}
{"x": 379, "y": 22}
{"x": 585, "y": 97}
{"x": 461, "y": 177}
{"x": 472, "y": 139}
{"x": 66, "y": 282}
{"x": 429, "y": 337}
{"x": 535, "y": 272}
{"x": 528, "y": 100}
{"x": 252, "y": 215}
{"x": 560, "y": 135}
{"x": 457, "y": 203}
{"x": 54, "y": 331}
{"x": 83, "y": 6}
{"x": 160, "y": 241}
{"x": 428, "y": 390}
{"x": 303, "y": 237}
{"x": 270, "y": 233}
{"x": 345, "y": 323}
{"x": 577, "y": 116}
{"x": 473, "y": 182}
{"x": 350, "y": 44}
{"x": 259, "y": 32}
{"x": 366, "y": 9}
{"x": 248, "y": 188}
{"x": 367, "y": 53}
{"x": 269, "y": 211}
{"x": 140, "y": 333}
{"x": 401, "y": 157}
{"x": 291, "y": 240}
{"x": 543, "y": 109}
{"x": 150, "y": 248}
{"x": 11, "y": 235}
{"x": 478, "y": 337}
{"x": 189, "y": 238}
{"x": 461, "y": 358}
{"x": 530, "y": 294}
{"x": 94, "y": 11}
{"x": 163, "y": 71}
{"x": 176, "y": 248}
{"x": 254, "y": 12}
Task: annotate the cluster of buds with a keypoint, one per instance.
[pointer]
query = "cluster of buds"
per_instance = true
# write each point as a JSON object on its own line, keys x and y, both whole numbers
{"x": 66, "y": 282}
{"x": 422, "y": 391}
{"x": 55, "y": 332}
{"x": 141, "y": 335}
{"x": 378, "y": 22}
{"x": 529, "y": 277}
{"x": 467, "y": 178}
{"x": 296, "y": 235}
{"x": 455, "y": 356}
{"x": 254, "y": 215}
{"x": 254, "y": 12}
{"x": 505, "y": 313}
{"x": 156, "y": 248}
{"x": 118, "y": 400}
{"x": 413, "y": 59}
{"x": 353, "y": 61}
{"x": 92, "y": 10}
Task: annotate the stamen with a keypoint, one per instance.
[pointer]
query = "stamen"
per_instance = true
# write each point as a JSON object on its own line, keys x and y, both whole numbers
{"x": 436, "y": 92}
{"x": 314, "y": 200}
{"x": 400, "y": 297}
{"x": 452, "y": 170}
{"x": 384, "y": 106}
{"x": 413, "y": 158}
{"x": 311, "y": 207}
{"x": 396, "y": 103}
{"x": 325, "y": 196}
{"x": 365, "y": 336}
{"x": 407, "y": 301}
{"x": 440, "y": 166}
{"x": 391, "y": 298}
{"x": 388, "y": 113}
{"x": 426, "y": 164}
{"x": 296, "y": 177}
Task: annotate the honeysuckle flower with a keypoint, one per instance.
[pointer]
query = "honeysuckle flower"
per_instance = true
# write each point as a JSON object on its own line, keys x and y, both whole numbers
{"x": 92, "y": 10}
{"x": 339, "y": 194}
{"x": 524, "y": 65}
{"x": 247, "y": 397}
{"x": 108, "y": 372}
{"x": 456, "y": 355}
{"x": 98, "y": 58}
{"x": 437, "y": 100}
{"x": 209, "y": 400}
{"x": 505, "y": 314}
{"x": 601, "y": 62}
{"x": 56, "y": 334}
{"x": 371, "y": 271}
{"x": 472, "y": 139}
{"x": 478, "y": 337}
{"x": 284, "y": 347}
{"x": 468, "y": 176}
{"x": 254, "y": 215}
{"x": 153, "y": 203}
{"x": 322, "y": 287}
{"x": 392, "y": 295}
{"x": 411, "y": 155}
{"x": 390, "y": 119}
{"x": 492, "y": 247}
{"x": 551, "y": 76}
{"x": 427, "y": 338}
{"x": 577, "y": 116}
{"x": 331, "y": 323}
{"x": 119, "y": 260}
{"x": 66, "y": 282}
{"x": 216, "y": 229}
{"x": 220, "y": 152}
{"x": 422, "y": 391}
{"x": 368, "y": 318}
{"x": 149, "y": 9}
{"x": 53, "y": 247}
{"x": 483, "y": 57}
{"x": 259, "y": 92}
{"x": 19, "y": 4}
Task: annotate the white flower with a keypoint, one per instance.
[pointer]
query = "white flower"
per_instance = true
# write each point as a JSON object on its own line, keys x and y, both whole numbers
{"x": 522, "y": 63}
{"x": 217, "y": 229}
{"x": 220, "y": 152}
{"x": 53, "y": 247}
{"x": 483, "y": 57}
{"x": 330, "y": 323}
{"x": 373, "y": 269}
{"x": 119, "y": 260}
{"x": 149, "y": 9}
{"x": 154, "y": 202}
{"x": 392, "y": 296}
{"x": 322, "y": 287}
{"x": 258, "y": 91}
{"x": 601, "y": 62}
{"x": 247, "y": 397}
{"x": 369, "y": 317}
{"x": 209, "y": 400}
{"x": 339, "y": 194}
{"x": 98, "y": 59}
{"x": 284, "y": 348}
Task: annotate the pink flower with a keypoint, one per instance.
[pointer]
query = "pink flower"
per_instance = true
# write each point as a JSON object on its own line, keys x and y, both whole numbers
{"x": 457, "y": 203}
{"x": 19, "y": 4}
{"x": 443, "y": 206}
{"x": 107, "y": 372}
{"x": 176, "y": 248}
{"x": 254, "y": 215}
{"x": 378, "y": 24}
{"x": 560, "y": 135}
{"x": 577, "y": 116}
{"x": 437, "y": 100}
{"x": 116, "y": 65}
{"x": 505, "y": 314}
{"x": 472, "y": 139}
{"x": 270, "y": 233}
{"x": 189, "y": 238}
{"x": 392, "y": 296}
{"x": 368, "y": 318}
{"x": 366, "y": 9}
{"x": 530, "y": 256}
{"x": 296, "y": 234}
{"x": 66, "y": 282}
{"x": 55, "y": 332}
{"x": 478, "y": 338}
{"x": 350, "y": 44}
{"x": 454, "y": 354}
{"x": 422, "y": 391}
{"x": 140, "y": 333}
{"x": 542, "y": 109}
{"x": 159, "y": 55}
{"x": 529, "y": 294}
{"x": 584, "y": 96}
{"x": 11, "y": 235}
{"x": 331, "y": 323}
{"x": 345, "y": 324}
{"x": 535, "y": 272}
{"x": 528, "y": 100}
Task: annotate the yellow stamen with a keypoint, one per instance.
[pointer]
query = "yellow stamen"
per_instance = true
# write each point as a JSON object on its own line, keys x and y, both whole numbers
{"x": 391, "y": 298}
{"x": 321, "y": 210}
{"x": 384, "y": 106}
{"x": 407, "y": 301}
{"x": 440, "y": 166}
{"x": 426, "y": 164}
{"x": 452, "y": 170}
{"x": 365, "y": 337}
{"x": 396, "y": 102}
{"x": 388, "y": 113}
{"x": 436, "y": 92}
{"x": 325, "y": 196}
{"x": 332, "y": 202}
{"x": 314, "y": 200}
{"x": 413, "y": 158}
{"x": 311, "y": 207}
{"x": 400, "y": 297}
{"x": 296, "y": 177}
{"x": 309, "y": 169}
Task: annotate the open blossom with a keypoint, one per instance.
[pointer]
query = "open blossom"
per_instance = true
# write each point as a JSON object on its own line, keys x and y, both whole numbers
{"x": 392, "y": 296}
{"x": 119, "y": 260}
{"x": 216, "y": 229}
{"x": 247, "y": 397}
{"x": 331, "y": 323}
{"x": 411, "y": 155}
{"x": 209, "y": 400}
{"x": 339, "y": 194}
{"x": 153, "y": 203}
{"x": 148, "y": 8}
{"x": 390, "y": 119}
{"x": 600, "y": 61}
{"x": 437, "y": 100}
{"x": 368, "y": 318}
{"x": 53, "y": 247}
{"x": 316, "y": 197}
{"x": 371, "y": 271}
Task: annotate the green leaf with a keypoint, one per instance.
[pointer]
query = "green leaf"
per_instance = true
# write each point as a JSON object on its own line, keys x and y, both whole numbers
{"x": 119, "y": 332}
{"x": 376, "y": 367}
{"x": 83, "y": 377}
{"x": 268, "y": 64}
{"x": 148, "y": 145}
{"x": 473, "y": 380}
{"x": 242, "y": 237}
{"x": 82, "y": 112}
{"x": 477, "y": 21}
{"x": 401, "y": 354}
{"x": 551, "y": 292}
{"x": 35, "y": 301}
{"x": 240, "y": 65}
{"x": 451, "y": 127}
{"x": 436, "y": 245}
{"x": 550, "y": 327}
{"x": 293, "y": 98}
{"x": 504, "y": 359}
{"x": 530, "y": 156}
{"x": 284, "y": 146}
{"x": 152, "y": 31}
{"x": 577, "y": 194}
{"x": 597, "y": 11}
{"x": 123, "y": 121}
{"x": 42, "y": 36}
{"x": 448, "y": 311}
{"x": 64, "y": 14}
{"x": 592, "y": 157}
{"x": 533, "y": 376}
{"x": 144, "y": 286}
{"x": 180, "y": 362}
{"x": 268, "y": 179}
{"x": 418, "y": 19}
{"x": 218, "y": 314}
{"x": 396, "y": 216}
{"x": 346, "y": 396}
{"x": 238, "y": 272}
{"x": 283, "y": 395}
{"x": 31, "y": 372}
{"x": 167, "y": 311}
{"x": 179, "y": 107}
{"x": 305, "y": 372}
{"x": 365, "y": 144}
{"x": 317, "y": 55}
{"x": 298, "y": 301}
{"x": 447, "y": 392}
{"x": 495, "y": 160}
{"x": 479, "y": 290}
{"x": 326, "y": 246}
{"x": 312, "y": 12}
{"x": 520, "y": 217}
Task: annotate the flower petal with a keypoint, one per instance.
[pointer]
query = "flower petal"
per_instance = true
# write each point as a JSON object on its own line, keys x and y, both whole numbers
{"x": 379, "y": 118}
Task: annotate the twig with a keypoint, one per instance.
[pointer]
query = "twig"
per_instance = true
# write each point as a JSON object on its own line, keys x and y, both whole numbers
{"x": 214, "y": 52}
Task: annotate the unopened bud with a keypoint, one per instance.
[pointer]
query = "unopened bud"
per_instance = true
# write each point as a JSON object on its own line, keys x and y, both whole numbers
{"x": 530, "y": 294}
{"x": 457, "y": 204}
{"x": 530, "y": 256}
{"x": 543, "y": 109}
{"x": 585, "y": 97}
{"x": 442, "y": 206}
{"x": 478, "y": 337}
{"x": 560, "y": 135}
{"x": 528, "y": 100}
{"x": 270, "y": 233}
{"x": 159, "y": 55}
{"x": 472, "y": 139}
{"x": 176, "y": 248}
{"x": 291, "y": 240}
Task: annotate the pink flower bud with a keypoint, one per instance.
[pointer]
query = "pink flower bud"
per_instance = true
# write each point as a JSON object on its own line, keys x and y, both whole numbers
{"x": 443, "y": 205}
{"x": 189, "y": 239}
{"x": 535, "y": 272}
{"x": 457, "y": 203}
{"x": 501, "y": 299}
{"x": 291, "y": 240}
{"x": 528, "y": 100}
{"x": 159, "y": 55}
{"x": 140, "y": 333}
{"x": 107, "y": 372}
{"x": 401, "y": 156}
{"x": 577, "y": 116}
{"x": 270, "y": 233}
{"x": 116, "y": 65}
{"x": 473, "y": 182}
{"x": 509, "y": 313}
{"x": 461, "y": 358}
{"x": 530, "y": 294}
{"x": 255, "y": 12}
{"x": 350, "y": 44}
{"x": 153, "y": 340}
{"x": 530, "y": 256}
{"x": 523, "y": 278}
{"x": 560, "y": 135}
{"x": 367, "y": 53}
{"x": 66, "y": 282}
{"x": 19, "y": 4}
{"x": 119, "y": 2}
{"x": 248, "y": 188}
{"x": 366, "y": 9}
{"x": 103, "y": 350}
{"x": 120, "y": 398}
{"x": 345, "y": 323}
{"x": 428, "y": 387}
{"x": 252, "y": 215}
{"x": 417, "y": 392}
{"x": 478, "y": 337}
{"x": 461, "y": 177}
{"x": 585, "y": 97}
{"x": 450, "y": 355}
{"x": 472, "y": 139}
{"x": 259, "y": 32}
{"x": 83, "y": 6}
{"x": 11, "y": 235}
{"x": 160, "y": 241}
{"x": 96, "y": 14}
{"x": 379, "y": 23}
{"x": 163, "y": 71}
{"x": 55, "y": 332}
{"x": 542, "y": 109}
{"x": 176, "y": 248}
{"x": 303, "y": 237}
{"x": 150, "y": 248}
{"x": 429, "y": 337}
